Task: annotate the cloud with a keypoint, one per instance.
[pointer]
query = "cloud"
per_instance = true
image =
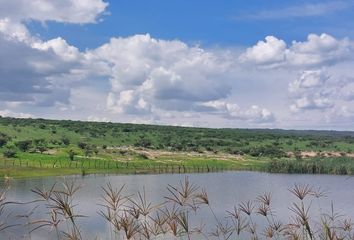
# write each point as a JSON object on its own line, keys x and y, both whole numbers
{"x": 308, "y": 91}
{"x": 318, "y": 90}
{"x": 97, "y": 119}
{"x": 270, "y": 52}
{"x": 150, "y": 74}
{"x": 67, "y": 11}
{"x": 254, "y": 114}
{"x": 311, "y": 79}
{"x": 8, "y": 113}
{"x": 152, "y": 77}
{"x": 346, "y": 112}
{"x": 40, "y": 73}
{"x": 128, "y": 101}
{"x": 305, "y": 10}
{"x": 14, "y": 30}
{"x": 347, "y": 91}
{"x": 319, "y": 50}
{"x": 316, "y": 51}
{"x": 144, "y": 79}
{"x": 24, "y": 72}
{"x": 324, "y": 83}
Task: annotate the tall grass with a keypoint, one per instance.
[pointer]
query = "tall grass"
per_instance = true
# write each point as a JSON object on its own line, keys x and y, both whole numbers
{"x": 180, "y": 215}
{"x": 317, "y": 165}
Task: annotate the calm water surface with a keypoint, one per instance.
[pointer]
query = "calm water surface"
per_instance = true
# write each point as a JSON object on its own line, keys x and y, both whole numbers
{"x": 224, "y": 189}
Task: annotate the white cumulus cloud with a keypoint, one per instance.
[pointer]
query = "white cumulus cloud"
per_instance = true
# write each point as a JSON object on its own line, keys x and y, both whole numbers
{"x": 150, "y": 74}
{"x": 308, "y": 91}
{"x": 144, "y": 79}
{"x": 270, "y": 52}
{"x": 316, "y": 51}
{"x": 253, "y": 114}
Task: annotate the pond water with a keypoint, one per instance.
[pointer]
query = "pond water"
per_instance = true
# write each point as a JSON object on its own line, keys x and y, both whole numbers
{"x": 225, "y": 190}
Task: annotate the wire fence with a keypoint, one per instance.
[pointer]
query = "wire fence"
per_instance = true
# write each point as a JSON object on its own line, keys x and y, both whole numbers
{"x": 115, "y": 165}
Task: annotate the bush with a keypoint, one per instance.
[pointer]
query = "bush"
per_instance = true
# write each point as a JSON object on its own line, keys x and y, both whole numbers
{"x": 267, "y": 151}
{"x": 40, "y": 141}
{"x": 41, "y": 148}
{"x": 82, "y": 145}
{"x": 71, "y": 154}
{"x": 65, "y": 141}
{"x": 3, "y": 141}
{"x": 24, "y": 145}
{"x": 145, "y": 143}
{"x": 9, "y": 153}
{"x": 88, "y": 151}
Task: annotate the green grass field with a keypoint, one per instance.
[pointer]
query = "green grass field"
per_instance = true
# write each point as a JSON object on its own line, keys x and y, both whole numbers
{"x": 36, "y": 164}
{"x": 38, "y": 147}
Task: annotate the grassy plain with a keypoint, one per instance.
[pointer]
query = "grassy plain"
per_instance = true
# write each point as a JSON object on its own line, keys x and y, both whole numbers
{"x": 38, "y": 147}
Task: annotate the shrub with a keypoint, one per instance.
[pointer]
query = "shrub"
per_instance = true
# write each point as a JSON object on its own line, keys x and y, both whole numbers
{"x": 65, "y": 141}
{"x": 267, "y": 151}
{"x": 41, "y": 148}
{"x": 9, "y": 153}
{"x": 145, "y": 143}
{"x": 54, "y": 131}
{"x": 3, "y": 141}
{"x": 24, "y": 145}
{"x": 71, "y": 154}
{"x": 87, "y": 151}
{"x": 82, "y": 145}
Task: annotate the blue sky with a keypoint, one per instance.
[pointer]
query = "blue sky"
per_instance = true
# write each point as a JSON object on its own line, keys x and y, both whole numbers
{"x": 208, "y": 22}
{"x": 274, "y": 64}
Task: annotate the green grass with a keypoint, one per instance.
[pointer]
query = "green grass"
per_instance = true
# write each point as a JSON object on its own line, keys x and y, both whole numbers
{"x": 36, "y": 164}
{"x": 119, "y": 148}
{"x": 317, "y": 165}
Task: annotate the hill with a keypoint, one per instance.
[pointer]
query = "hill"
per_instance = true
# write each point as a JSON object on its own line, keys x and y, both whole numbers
{"x": 67, "y": 142}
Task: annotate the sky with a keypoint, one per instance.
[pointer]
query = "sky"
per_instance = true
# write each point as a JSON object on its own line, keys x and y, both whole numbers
{"x": 202, "y": 63}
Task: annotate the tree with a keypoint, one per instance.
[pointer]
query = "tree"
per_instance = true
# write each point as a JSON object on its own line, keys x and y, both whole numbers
{"x": 24, "y": 145}
{"x": 3, "y": 141}
{"x": 41, "y": 148}
{"x": 82, "y": 145}
{"x": 65, "y": 141}
{"x": 88, "y": 151}
{"x": 71, "y": 154}
{"x": 143, "y": 142}
{"x": 298, "y": 155}
{"x": 41, "y": 145}
{"x": 9, "y": 153}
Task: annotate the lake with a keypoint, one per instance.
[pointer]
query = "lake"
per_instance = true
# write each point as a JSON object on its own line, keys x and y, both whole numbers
{"x": 225, "y": 190}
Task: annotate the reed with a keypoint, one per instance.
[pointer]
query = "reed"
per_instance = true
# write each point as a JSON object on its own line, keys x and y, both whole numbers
{"x": 316, "y": 165}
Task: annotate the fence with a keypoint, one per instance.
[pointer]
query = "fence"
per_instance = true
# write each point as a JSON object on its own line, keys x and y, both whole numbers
{"x": 89, "y": 164}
